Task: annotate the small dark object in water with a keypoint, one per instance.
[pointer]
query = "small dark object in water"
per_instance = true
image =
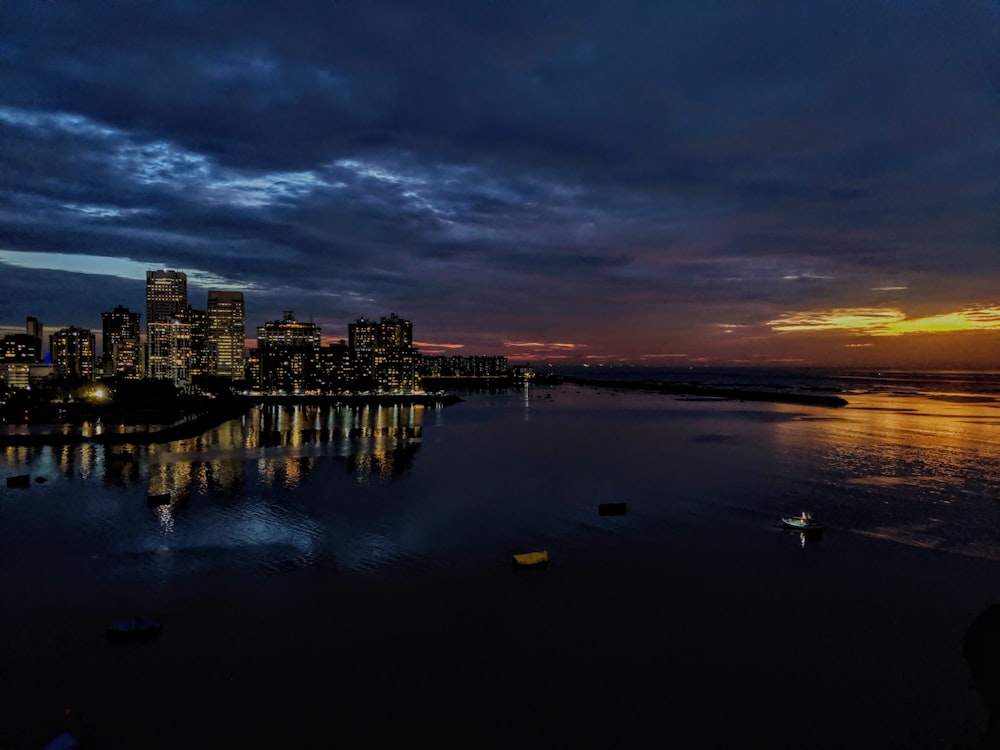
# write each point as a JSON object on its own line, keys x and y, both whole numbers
{"x": 611, "y": 509}
{"x": 40, "y": 480}
{"x": 21, "y": 480}
{"x": 134, "y": 629}
{"x": 154, "y": 500}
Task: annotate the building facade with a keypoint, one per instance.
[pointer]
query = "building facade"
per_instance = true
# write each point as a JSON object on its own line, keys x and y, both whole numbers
{"x": 20, "y": 348}
{"x": 168, "y": 335}
{"x": 200, "y": 355}
{"x": 289, "y": 353}
{"x": 475, "y": 366}
{"x": 395, "y": 357}
{"x": 33, "y": 327}
{"x": 382, "y": 356}
{"x": 226, "y": 334}
{"x": 18, "y": 351}
{"x": 72, "y": 351}
{"x": 122, "y": 344}
{"x": 362, "y": 343}
{"x": 166, "y": 296}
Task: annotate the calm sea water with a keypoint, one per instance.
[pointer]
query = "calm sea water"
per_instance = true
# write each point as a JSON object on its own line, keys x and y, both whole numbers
{"x": 332, "y": 572}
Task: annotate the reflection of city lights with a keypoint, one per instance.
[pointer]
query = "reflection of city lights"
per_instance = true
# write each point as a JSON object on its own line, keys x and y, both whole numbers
{"x": 376, "y": 443}
{"x": 165, "y": 516}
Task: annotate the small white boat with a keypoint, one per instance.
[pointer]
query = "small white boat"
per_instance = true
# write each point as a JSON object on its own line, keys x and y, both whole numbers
{"x": 803, "y": 522}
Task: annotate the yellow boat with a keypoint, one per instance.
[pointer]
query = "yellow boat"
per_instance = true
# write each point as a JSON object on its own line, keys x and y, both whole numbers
{"x": 531, "y": 559}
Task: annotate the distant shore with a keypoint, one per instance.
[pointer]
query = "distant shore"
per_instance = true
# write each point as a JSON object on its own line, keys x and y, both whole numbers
{"x": 709, "y": 391}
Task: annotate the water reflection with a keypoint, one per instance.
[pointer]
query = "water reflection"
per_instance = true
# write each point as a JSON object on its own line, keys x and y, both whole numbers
{"x": 917, "y": 470}
{"x": 280, "y": 443}
{"x": 267, "y": 490}
{"x": 804, "y": 538}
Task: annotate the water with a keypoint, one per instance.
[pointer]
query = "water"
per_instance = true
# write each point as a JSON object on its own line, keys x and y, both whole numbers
{"x": 325, "y": 572}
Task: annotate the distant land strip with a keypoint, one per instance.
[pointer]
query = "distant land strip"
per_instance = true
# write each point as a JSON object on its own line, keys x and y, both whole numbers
{"x": 710, "y": 391}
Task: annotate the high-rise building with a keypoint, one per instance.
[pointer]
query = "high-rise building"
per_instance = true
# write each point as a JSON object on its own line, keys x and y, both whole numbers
{"x": 33, "y": 328}
{"x": 335, "y": 367}
{"x": 362, "y": 341}
{"x": 253, "y": 368}
{"x": 72, "y": 350}
{"x": 166, "y": 296}
{"x": 289, "y": 355}
{"x": 168, "y": 334}
{"x": 395, "y": 357}
{"x": 226, "y": 334}
{"x": 169, "y": 352}
{"x": 199, "y": 363}
{"x": 122, "y": 345}
{"x": 382, "y": 354}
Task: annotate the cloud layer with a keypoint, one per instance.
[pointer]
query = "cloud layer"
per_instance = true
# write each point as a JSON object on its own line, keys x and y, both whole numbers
{"x": 641, "y": 181}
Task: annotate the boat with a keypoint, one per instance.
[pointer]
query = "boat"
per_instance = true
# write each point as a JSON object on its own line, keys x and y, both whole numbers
{"x": 19, "y": 481}
{"x": 611, "y": 509}
{"x": 531, "y": 559}
{"x": 804, "y": 522}
{"x": 134, "y": 629}
{"x": 154, "y": 500}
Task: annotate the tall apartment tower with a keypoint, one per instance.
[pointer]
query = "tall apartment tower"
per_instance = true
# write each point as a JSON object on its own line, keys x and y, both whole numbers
{"x": 289, "y": 354}
{"x": 226, "y": 334}
{"x": 168, "y": 335}
{"x": 395, "y": 357}
{"x": 197, "y": 320}
{"x": 72, "y": 352}
{"x": 362, "y": 342}
{"x": 122, "y": 348}
{"x": 382, "y": 354}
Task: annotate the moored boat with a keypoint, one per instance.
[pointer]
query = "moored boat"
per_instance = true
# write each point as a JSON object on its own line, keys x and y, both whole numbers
{"x": 134, "y": 629}
{"x": 20, "y": 481}
{"x": 531, "y": 559}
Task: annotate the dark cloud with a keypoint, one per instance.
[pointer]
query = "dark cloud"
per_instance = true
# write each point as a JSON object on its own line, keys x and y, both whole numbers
{"x": 504, "y": 164}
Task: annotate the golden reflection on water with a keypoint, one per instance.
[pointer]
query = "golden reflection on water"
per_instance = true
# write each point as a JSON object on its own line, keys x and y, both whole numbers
{"x": 278, "y": 443}
{"x": 909, "y": 460}
{"x": 883, "y": 440}
{"x": 284, "y": 443}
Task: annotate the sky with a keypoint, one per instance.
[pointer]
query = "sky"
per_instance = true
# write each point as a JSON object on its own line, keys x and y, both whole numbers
{"x": 662, "y": 183}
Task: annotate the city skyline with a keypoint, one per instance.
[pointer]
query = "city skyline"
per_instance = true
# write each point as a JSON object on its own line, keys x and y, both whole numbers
{"x": 653, "y": 183}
